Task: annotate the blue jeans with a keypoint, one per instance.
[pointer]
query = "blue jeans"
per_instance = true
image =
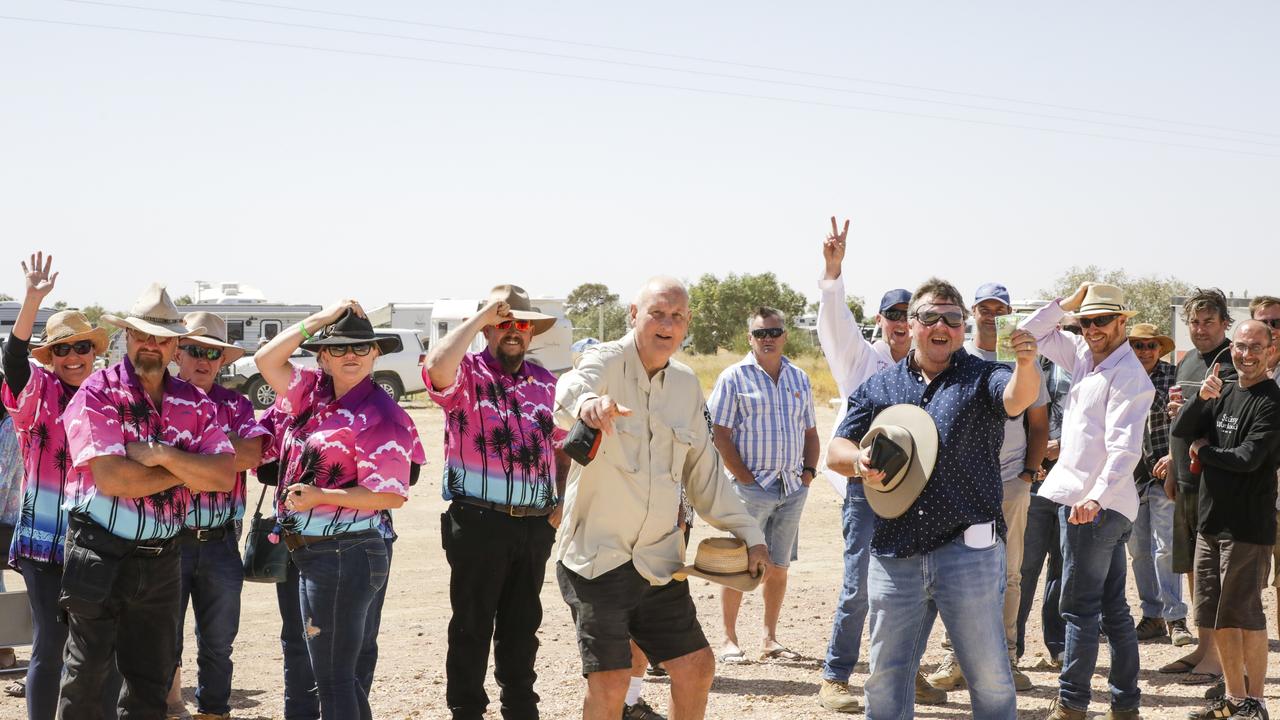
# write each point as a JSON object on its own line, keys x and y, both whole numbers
{"x": 212, "y": 577}
{"x": 301, "y": 702}
{"x": 337, "y": 583}
{"x": 851, "y": 609}
{"x": 966, "y": 587}
{"x": 1093, "y": 578}
{"x": 778, "y": 516}
{"x": 1151, "y": 547}
{"x": 1042, "y": 548}
{"x": 368, "y": 661}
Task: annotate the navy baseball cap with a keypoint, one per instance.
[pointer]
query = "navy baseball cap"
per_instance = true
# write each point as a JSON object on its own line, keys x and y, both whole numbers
{"x": 894, "y": 297}
{"x": 992, "y": 291}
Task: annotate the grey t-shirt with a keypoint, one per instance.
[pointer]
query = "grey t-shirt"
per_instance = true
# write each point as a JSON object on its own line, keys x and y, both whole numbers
{"x": 1013, "y": 451}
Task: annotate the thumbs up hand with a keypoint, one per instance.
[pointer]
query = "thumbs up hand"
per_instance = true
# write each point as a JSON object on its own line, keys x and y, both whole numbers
{"x": 1212, "y": 386}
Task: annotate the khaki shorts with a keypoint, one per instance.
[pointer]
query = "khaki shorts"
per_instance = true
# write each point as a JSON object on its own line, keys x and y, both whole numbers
{"x": 1186, "y": 518}
{"x": 1230, "y": 576}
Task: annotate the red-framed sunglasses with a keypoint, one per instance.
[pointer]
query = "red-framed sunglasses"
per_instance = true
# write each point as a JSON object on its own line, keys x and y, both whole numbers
{"x": 521, "y": 325}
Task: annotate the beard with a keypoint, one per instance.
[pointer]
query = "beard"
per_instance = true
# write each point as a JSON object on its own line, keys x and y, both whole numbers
{"x": 148, "y": 363}
{"x": 511, "y": 361}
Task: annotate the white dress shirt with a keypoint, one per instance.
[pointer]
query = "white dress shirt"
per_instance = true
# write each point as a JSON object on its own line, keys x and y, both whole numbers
{"x": 1103, "y": 420}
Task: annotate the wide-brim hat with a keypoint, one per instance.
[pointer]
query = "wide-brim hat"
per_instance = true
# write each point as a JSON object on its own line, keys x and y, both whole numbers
{"x": 722, "y": 560}
{"x": 154, "y": 313}
{"x": 911, "y": 429}
{"x": 68, "y": 326}
{"x": 352, "y": 329}
{"x": 521, "y": 307}
{"x": 1103, "y": 299}
{"x": 215, "y": 334}
{"x": 1147, "y": 331}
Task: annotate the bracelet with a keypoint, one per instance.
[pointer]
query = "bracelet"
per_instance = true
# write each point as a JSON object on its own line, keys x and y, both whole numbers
{"x": 302, "y": 328}
{"x": 812, "y": 470}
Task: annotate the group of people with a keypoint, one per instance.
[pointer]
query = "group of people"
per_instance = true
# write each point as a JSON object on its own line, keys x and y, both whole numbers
{"x": 966, "y": 478}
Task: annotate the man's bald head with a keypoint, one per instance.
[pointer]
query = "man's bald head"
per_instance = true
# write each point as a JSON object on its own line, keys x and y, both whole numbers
{"x": 661, "y": 285}
{"x": 1252, "y": 328}
{"x": 1251, "y": 348}
{"x": 660, "y": 316}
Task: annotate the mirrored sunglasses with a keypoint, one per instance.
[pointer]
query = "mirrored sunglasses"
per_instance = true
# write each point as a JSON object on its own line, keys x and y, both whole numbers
{"x": 79, "y": 347}
{"x": 894, "y": 315}
{"x": 762, "y": 333}
{"x": 929, "y": 318}
{"x": 521, "y": 325}
{"x": 360, "y": 349}
{"x": 1100, "y": 321}
{"x": 206, "y": 353}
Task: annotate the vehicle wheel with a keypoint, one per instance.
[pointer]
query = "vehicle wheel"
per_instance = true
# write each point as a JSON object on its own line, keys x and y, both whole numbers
{"x": 390, "y": 384}
{"x": 260, "y": 393}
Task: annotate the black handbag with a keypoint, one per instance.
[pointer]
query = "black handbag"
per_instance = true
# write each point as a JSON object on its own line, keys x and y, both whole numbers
{"x": 264, "y": 561}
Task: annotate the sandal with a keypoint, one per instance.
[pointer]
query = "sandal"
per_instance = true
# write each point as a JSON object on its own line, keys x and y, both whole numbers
{"x": 779, "y": 653}
{"x": 1195, "y": 678}
{"x": 1178, "y": 667}
{"x": 17, "y": 688}
{"x": 736, "y": 657}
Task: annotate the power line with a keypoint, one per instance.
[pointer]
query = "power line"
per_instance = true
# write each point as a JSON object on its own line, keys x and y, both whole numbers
{"x": 717, "y": 61}
{"x": 620, "y": 81}
{"x": 805, "y": 86}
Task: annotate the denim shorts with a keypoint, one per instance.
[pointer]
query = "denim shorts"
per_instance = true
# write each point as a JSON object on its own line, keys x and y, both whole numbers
{"x": 778, "y": 515}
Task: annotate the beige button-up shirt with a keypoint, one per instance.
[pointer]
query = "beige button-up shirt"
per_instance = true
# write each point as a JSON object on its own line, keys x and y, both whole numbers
{"x": 624, "y": 506}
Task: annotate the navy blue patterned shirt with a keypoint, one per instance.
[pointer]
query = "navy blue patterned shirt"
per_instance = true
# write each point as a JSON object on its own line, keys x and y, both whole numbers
{"x": 966, "y": 402}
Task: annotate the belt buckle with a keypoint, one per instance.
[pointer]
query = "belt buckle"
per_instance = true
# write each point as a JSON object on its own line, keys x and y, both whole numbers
{"x": 512, "y": 511}
{"x": 148, "y": 550}
{"x": 202, "y": 534}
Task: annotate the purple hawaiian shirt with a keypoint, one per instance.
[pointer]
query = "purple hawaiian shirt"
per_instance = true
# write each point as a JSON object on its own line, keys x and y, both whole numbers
{"x": 37, "y": 418}
{"x": 111, "y": 410}
{"x": 500, "y": 437}
{"x": 363, "y": 439}
{"x": 235, "y": 415}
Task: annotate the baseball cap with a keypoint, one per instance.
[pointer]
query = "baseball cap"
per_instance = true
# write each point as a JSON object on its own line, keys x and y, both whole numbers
{"x": 894, "y": 297}
{"x": 992, "y": 291}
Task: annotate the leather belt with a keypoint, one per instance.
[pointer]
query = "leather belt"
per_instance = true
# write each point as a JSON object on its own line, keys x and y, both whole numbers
{"x": 297, "y": 541}
{"x": 205, "y": 534}
{"x": 510, "y": 510}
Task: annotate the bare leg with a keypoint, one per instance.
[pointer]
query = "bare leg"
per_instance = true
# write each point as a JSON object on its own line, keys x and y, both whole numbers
{"x": 606, "y": 692}
{"x": 638, "y": 661}
{"x": 1231, "y": 655}
{"x": 1278, "y": 608}
{"x": 1209, "y": 661}
{"x": 691, "y": 677}
{"x": 1255, "y": 660}
{"x": 730, "y": 602}
{"x": 175, "y": 690}
{"x": 775, "y": 590}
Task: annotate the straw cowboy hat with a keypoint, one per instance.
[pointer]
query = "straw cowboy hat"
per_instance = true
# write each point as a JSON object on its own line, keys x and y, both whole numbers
{"x": 721, "y": 560}
{"x": 1102, "y": 299}
{"x": 68, "y": 326}
{"x": 352, "y": 329}
{"x": 215, "y": 334}
{"x": 912, "y": 431}
{"x": 154, "y": 313}
{"x": 1147, "y": 331}
{"x": 521, "y": 307}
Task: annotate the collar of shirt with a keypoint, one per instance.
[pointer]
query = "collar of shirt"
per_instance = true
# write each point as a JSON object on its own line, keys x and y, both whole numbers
{"x": 634, "y": 366}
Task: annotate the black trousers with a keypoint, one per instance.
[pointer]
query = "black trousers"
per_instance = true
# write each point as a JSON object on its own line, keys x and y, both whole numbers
{"x": 122, "y": 611}
{"x": 497, "y": 567}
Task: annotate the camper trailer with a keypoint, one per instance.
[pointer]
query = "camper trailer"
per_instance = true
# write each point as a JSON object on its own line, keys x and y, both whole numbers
{"x": 416, "y": 316}
{"x": 9, "y": 315}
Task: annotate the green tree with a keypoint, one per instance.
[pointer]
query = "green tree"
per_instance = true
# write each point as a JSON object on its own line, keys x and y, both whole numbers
{"x": 721, "y": 309}
{"x": 1150, "y": 295}
{"x": 60, "y": 305}
{"x": 596, "y": 312}
{"x": 184, "y": 300}
{"x": 6, "y": 297}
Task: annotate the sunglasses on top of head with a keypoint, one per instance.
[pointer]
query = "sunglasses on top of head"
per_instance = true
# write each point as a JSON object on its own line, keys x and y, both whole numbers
{"x": 762, "y": 333}
{"x": 1099, "y": 321}
{"x": 80, "y": 347}
{"x": 929, "y": 318}
{"x": 521, "y": 325}
{"x": 206, "y": 353}
{"x": 360, "y": 349}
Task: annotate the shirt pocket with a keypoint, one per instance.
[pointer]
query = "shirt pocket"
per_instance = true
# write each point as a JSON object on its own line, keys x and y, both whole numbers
{"x": 681, "y": 444}
{"x": 624, "y": 446}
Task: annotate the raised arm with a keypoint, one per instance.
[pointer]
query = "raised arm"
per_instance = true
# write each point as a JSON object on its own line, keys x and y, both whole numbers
{"x": 1060, "y": 347}
{"x": 272, "y": 359}
{"x": 446, "y": 354}
{"x": 846, "y": 350}
{"x": 39, "y": 283}
{"x": 1024, "y": 387}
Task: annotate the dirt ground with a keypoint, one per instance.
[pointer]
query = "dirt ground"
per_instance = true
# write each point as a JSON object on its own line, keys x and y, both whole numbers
{"x": 411, "y": 679}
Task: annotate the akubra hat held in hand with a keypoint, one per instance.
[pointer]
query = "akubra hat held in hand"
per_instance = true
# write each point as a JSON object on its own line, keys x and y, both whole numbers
{"x": 913, "y": 432}
{"x": 1103, "y": 299}
{"x": 1147, "y": 331}
{"x": 154, "y": 314}
{"x": 352, "y": 329}
{"x": 722, "y": 560}
{"x": 68, "y": 326}
{"x": 521, "y": 307}
{"x": 215, "y": 334}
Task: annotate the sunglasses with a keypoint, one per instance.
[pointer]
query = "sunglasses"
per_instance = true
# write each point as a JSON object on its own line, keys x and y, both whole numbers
{"x": 80, "y": 347}
{"x": 206, "y": 353}
{"x": 929, "y": 318}
{"x": 521, "y": 325}
{"x": 1141, "y": 345}
{"x": 360, "y": 349}
{"x": 762, "y": 333}
{"x": 1100, "y": 321}
{"x": 1273, "y": 323}
{"x": 894, "y": 315}
{"x": 142, "y": 337}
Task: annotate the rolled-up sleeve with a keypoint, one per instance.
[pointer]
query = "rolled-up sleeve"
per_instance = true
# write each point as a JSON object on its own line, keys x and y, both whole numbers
{"x": 708, "y": 487}
{"x": 584, "y": 382}
{"x": 1128, "y": 403}
{"x": 1058, "y": 346}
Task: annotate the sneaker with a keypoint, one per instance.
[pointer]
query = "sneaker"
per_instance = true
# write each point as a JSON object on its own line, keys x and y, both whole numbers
{"x": 1151, "y": 628}
{"x": 1179, "y": 635}
{"x": 948, "y": 676}
{"x": 1021, "y": 682}
{"x": 640, "y": 711}
{"x": 1058, "y": 711}
{"x": 834, "y": 695}
{"x": 1251, "y": 709}
{"x": 927, "y": 694}
{"x": 1221, "y": 708}
{"x": 1217, "y": 692}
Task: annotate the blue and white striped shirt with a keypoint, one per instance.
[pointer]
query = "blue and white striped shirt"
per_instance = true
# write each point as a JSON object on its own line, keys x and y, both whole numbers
{"x": 768, "y": 419}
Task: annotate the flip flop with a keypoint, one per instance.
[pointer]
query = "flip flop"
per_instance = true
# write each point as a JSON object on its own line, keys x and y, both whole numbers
{"x": 1178, "y": 667}
{"x": 1195, "y": 678}
{"x": 779, "y": 653}
{"x": 17, "y": 688}
{"x": 736, "y": 657}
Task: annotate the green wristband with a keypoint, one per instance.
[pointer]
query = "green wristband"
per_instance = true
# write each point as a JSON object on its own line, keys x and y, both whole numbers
{"x": 302, "y": 328}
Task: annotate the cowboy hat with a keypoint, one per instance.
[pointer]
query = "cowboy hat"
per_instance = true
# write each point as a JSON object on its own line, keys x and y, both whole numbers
{"x": 153, "y": 313}
{"x": 1103, "y": 299}
{"x": 215, "y": 334}
{"x": 521, "y": 308}
{"x": 1147, "y": 331}
{"x": 721, "y": 560}
{"x": 911, "y": 429}
{"x": 352, "y": 329}
{"x": 68, "y": 326}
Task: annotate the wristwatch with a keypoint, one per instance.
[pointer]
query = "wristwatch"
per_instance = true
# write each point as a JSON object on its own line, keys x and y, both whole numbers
{"x": 1033, "y": 472}
{"x": 811, "y": 470}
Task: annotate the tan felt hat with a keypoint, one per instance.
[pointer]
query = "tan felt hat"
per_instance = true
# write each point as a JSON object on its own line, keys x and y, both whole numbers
{"x": 721, "y": 560}
{"x": 913, "y": 430}
{"x": 68, "y": 326}
{"x": 215, "y": 334}
{"x": 1147, "y": 331}
{"x": 521, "y": 307}
{"x": 154, "y": 313}
{"x": 1102, "y": 299}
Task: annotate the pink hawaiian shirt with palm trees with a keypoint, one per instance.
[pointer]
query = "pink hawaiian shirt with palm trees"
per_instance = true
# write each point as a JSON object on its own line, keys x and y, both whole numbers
{"x": 500, "y": 437}
{"x": 363, "y": 439}
{"x": 235, "y": 415}
{"x": 112, "y": 410}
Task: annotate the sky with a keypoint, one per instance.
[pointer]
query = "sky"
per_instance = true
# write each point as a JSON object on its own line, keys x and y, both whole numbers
{"x": 449, "y": 147}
